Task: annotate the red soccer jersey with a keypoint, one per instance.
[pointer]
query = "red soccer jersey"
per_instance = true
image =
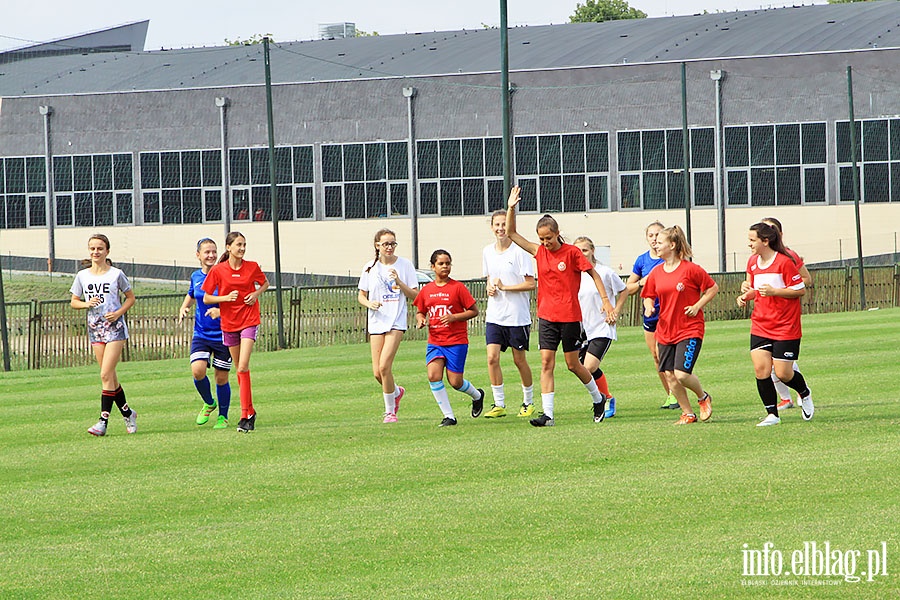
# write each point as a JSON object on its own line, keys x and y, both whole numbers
{"x": 775, "y": 317}
{"x": 559, "y": 279}
{"x": 235, "y": 315}
{"x": 676, "y": 291}
{"x": 434, "y": 301}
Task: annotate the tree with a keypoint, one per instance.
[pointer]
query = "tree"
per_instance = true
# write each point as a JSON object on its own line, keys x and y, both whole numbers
{"x": 597, "y": 11}
{"x": 256, "y": 38}
{"x": 846, "y": 1}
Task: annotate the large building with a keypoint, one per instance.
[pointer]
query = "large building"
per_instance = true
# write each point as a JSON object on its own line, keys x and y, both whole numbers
{"x": 158, "y": 149}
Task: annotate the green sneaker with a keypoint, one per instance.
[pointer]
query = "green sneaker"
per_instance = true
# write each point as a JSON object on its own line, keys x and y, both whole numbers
{"x": 203, "y": 417}
{"x": 221, "y": 423}
{"x": 495, "y": 412}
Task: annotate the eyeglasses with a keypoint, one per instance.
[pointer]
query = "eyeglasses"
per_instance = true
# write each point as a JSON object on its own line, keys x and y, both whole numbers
{"x": 388, "y": 244}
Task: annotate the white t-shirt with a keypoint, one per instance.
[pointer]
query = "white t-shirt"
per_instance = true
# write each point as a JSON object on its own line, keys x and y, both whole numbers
{"x": 593, "y": 317}
{"x": 107, "y": 287}
{"x": 510, "y": 309}
{"x": 392, "y": 313}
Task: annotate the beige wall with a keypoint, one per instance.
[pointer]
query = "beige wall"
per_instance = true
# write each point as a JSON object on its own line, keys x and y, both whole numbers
{"x": 341, "y": 247}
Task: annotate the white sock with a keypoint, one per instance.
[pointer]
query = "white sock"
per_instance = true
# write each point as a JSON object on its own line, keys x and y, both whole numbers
{"x": 499, "y": 396}
{"x": 528, "y": 394}
{"x": 547, "y": 403}
{"x": 594, "y": 391}
{"x": 443, "y": 400}
{"x": 784, "y": 392}
{"x": 388, "y": 402}
{"x": 468, "y": 388}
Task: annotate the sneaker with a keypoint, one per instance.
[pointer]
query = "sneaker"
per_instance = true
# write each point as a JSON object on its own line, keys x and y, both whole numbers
{"x": 251, "y": 423}
{"x": 496, "y": 412}
{"x": 769, "y": 420}
{"x": 686, "y": 419}
{"x": 806, "y": 407}
{"x": 526, "y": 411}
{"x": 400, "y": 391}
{"x": 390, "y": 418}
{"x": 542, "y": 421}
{"x": 785, "y": 404}
{"x": 221, "y": 423}
{"x": 611, "y": 407}
{"x": 671, "y": 403}
{"x": 203, "y": 417}
{"x": 242, "y": 426}
{"x": 600, "y": 411}
{"x": 131, "y": 422}
{"x": 478, "y": 405}
{"x": 447, "y": 422}
{"x": 99, "y": 429}
{"x": 705, "y": 407}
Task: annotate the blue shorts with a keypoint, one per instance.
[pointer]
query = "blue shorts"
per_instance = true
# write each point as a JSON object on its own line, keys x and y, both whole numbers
{"x": 507, "y": 336}
{"x": 454, "y": 356}
{"x": 204, "y": 350}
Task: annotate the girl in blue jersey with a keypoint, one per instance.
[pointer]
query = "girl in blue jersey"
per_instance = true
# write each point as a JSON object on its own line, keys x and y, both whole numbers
{"x": 206, "y": 345}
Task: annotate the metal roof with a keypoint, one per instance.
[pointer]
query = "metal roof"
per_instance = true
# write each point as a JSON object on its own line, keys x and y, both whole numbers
{"x": 793, "y": 30}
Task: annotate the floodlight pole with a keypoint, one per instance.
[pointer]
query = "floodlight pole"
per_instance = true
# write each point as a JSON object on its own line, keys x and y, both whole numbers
{"x": 409, "y": 93}
{"x": 4, "y": 331}
{"x": 274, "y": 193}
{"x": 49, "y": 208}
{"x": 854, "y": 158}
{"x": 686, "y": 153}
{"x": 222, "y": 103}
{"x": 718, "y": 75}
{"x": 504, "y": 101}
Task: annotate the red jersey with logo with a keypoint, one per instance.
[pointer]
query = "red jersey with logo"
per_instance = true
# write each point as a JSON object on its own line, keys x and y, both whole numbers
{"x": 775, "y": 317}
{"x": 559, "y": 279}
{"x": 676, "y": 291}
{"x": 235, "y": 315}
{"x": 434, "y": 301}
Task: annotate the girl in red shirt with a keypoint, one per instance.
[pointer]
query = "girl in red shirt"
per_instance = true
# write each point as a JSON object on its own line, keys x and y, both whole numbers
{"x": 683, "y": 289}
{"x": 239, "y": 283}
{"x": 559, "y": 268}
{"x": 776, "y": 287}
{"x": 445, "y": 305}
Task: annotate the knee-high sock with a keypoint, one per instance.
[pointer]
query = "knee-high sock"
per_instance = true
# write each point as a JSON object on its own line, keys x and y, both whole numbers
{"x": 443, "y": 399}
{"x": 119, "y": 399}
{"x": 596, "y": 395}
{"x": 468, "y": 388}
{"x": 246, "y": 394}
{"x": 203, "y": 388}
{"x": 106, "y": 403}
{"x": 798, "y": 383}
{"x": 223, "y": 394}
{"x": 768, "y": 395}
{"x": 600, "y": 377}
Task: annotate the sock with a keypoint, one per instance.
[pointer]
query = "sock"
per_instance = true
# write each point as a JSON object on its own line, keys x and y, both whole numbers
{"x": 119, "y": 399}
{"x": 527, "y": 394}
{"x": 596, "y": 395}
{"x": 202, "y": 386}
{"x": 106, "y": 404}
{"x": 766, "y": 389}
{"x": 468, "y": 388}
{"x": 443, "y": 400}
{"x": 388, "y": 401}
{"x": 499, "y": 395}
{"x": 602, "y": 385}
{"x": 223, "y": 393}
{"x": 798, "y": 383}
{"x": 246, "y": 394}
{"x": 547, "y": 403}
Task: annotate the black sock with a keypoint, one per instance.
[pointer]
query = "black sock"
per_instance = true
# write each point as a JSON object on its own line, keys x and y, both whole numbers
{"x": 106, "y": 404}
{"x": 597, "y": 374}
{"x": 798, "y": 384}
{"x": 768, "y": 394}
{"x": 121, "y": 403}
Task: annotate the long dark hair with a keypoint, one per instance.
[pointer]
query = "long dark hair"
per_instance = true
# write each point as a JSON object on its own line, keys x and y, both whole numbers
{"x": 549, "y": 222}
{"x": 378, "y": 234}
{"x": 86, "y": 262}
{"x": 771, "y": 234}
{"x": 229, "y": 239}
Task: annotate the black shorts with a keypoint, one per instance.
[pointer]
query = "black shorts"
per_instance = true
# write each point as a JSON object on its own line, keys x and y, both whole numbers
{"x": 595, "y": 347}
{"x": 679, "y": 357}
{"x": 507, "y": 336}
{"x": 788, "y": 350}
{"x": 551, "y": 333}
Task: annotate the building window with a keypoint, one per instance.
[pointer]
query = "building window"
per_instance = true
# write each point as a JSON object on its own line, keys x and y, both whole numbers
{"x": 775, "y": 165}
{"x": 364, "y": 181}
{"x": 878, "y": 156}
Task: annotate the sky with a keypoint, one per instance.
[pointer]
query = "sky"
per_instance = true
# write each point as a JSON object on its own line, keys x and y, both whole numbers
{"x": 192, "y": 23}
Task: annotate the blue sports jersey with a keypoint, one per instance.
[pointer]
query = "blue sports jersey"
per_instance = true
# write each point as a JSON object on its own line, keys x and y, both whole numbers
{"x": 642, "y": 267}
{"x": 205, "y": 327}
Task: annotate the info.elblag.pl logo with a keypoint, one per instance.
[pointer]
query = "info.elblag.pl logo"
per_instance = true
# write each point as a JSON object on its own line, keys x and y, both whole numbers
{"x": 813, "y": 564}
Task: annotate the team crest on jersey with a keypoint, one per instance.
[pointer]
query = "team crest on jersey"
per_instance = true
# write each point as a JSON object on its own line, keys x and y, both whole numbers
{"x": 561, "y": 266}
{"x": 680, "y": 286}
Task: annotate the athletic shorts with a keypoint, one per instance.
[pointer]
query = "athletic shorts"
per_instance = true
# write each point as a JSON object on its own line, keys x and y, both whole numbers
{"x": 233, "y": 338}
{"x": 679, "y": 357}
{"x": 454, "y": 356}
{"x": 596, "y": 347}
{"x": 650, "y": 322}
{"x": 551, "y": 333}
{"x": 214, "y": 353}
{"x": 788, "y": 350}
{"x": 508, "y": 336}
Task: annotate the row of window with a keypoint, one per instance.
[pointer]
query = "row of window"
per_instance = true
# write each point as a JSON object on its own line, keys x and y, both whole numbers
{"x": 765, "y": 165}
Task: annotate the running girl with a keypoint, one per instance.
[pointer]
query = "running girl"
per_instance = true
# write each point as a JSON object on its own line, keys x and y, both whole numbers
{"x": 206, "y": 344}
{"x": 683, "y": 289}
{"x": 559, "y": 268}
{"x": 238, "y": 284}
{"x": 384, "y": 286}
{"x": 96, "y": 289}
{"x": 445, "y": 305}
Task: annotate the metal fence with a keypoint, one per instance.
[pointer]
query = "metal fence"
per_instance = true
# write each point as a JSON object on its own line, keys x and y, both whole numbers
{"x": 46, "y": 334}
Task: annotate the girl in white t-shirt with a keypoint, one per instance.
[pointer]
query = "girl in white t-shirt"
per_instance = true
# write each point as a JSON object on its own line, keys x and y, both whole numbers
{"x": 96, "y": 289}
{"x": 384, "y": 285}
{"x": 510, "y": 279}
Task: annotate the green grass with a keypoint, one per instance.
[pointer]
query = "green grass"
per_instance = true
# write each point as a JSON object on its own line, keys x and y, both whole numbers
{"x": 24, "y": 287}
{"x": 324, "y": 501}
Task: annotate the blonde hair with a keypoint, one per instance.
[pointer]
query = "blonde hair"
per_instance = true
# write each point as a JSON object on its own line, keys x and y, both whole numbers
{"x": 676, "y": 235}
{"x": 585, "y": 239}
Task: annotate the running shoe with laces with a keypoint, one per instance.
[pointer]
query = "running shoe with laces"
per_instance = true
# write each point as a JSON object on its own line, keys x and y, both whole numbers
{"x": 400, "y": 391}
{"x": 686, "y": 419}
{"x": 242, "y": 425}
{"x": 600, "y": 411}
{"x": 542, "y": 421}
{"x": 611, "y": 407}
{"x": 478, "y": 405}
{"x": 447, "y": 422}
{"x": 671, "y": 403}
{"x": 526, "y": 410}
{"x": 131, "y": 422}
{"x": 389, "y": 418}
{"x": 221, "y": 422}
{"x": 495, "y": 412}
{"x": 806, "y": 406}
{"x": 769, "y": 420}
{"x": 99, "y": 429}
{"x": 785, "y": 404}
{"x": 203, "y": 417}
{"x": 705, "y": 407}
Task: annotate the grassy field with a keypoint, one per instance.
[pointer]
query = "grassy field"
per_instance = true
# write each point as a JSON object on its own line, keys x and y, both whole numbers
{"x": 324, "y": 501}
{"x": 23, "y": 287}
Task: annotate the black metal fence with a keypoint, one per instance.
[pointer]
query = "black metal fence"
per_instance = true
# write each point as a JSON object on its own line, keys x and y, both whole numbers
{"x": 45, "y": 334}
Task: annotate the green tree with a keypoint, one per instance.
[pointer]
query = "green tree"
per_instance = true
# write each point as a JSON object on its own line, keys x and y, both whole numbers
{"x": 597, "y": 11}
{"x": 846, "y": 1}
{"x": 256, "y": 38}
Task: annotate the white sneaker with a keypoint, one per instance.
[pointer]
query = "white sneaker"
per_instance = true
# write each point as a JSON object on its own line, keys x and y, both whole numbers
{"x": 131, "y": 422}
{"x": 769, "y": 420}
{"x": 99, "y": 429}
{"x": 806, "y": 407}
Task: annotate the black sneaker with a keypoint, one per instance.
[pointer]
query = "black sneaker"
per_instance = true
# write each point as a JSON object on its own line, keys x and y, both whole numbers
{"x": 478, "y": 405}
{"x": 242, "y": 426}
{"x": 447, "y": 422}
{"x": 542, "y": 421}
{"x": 600, "y": 411}
{"x": 250, "y": 425}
